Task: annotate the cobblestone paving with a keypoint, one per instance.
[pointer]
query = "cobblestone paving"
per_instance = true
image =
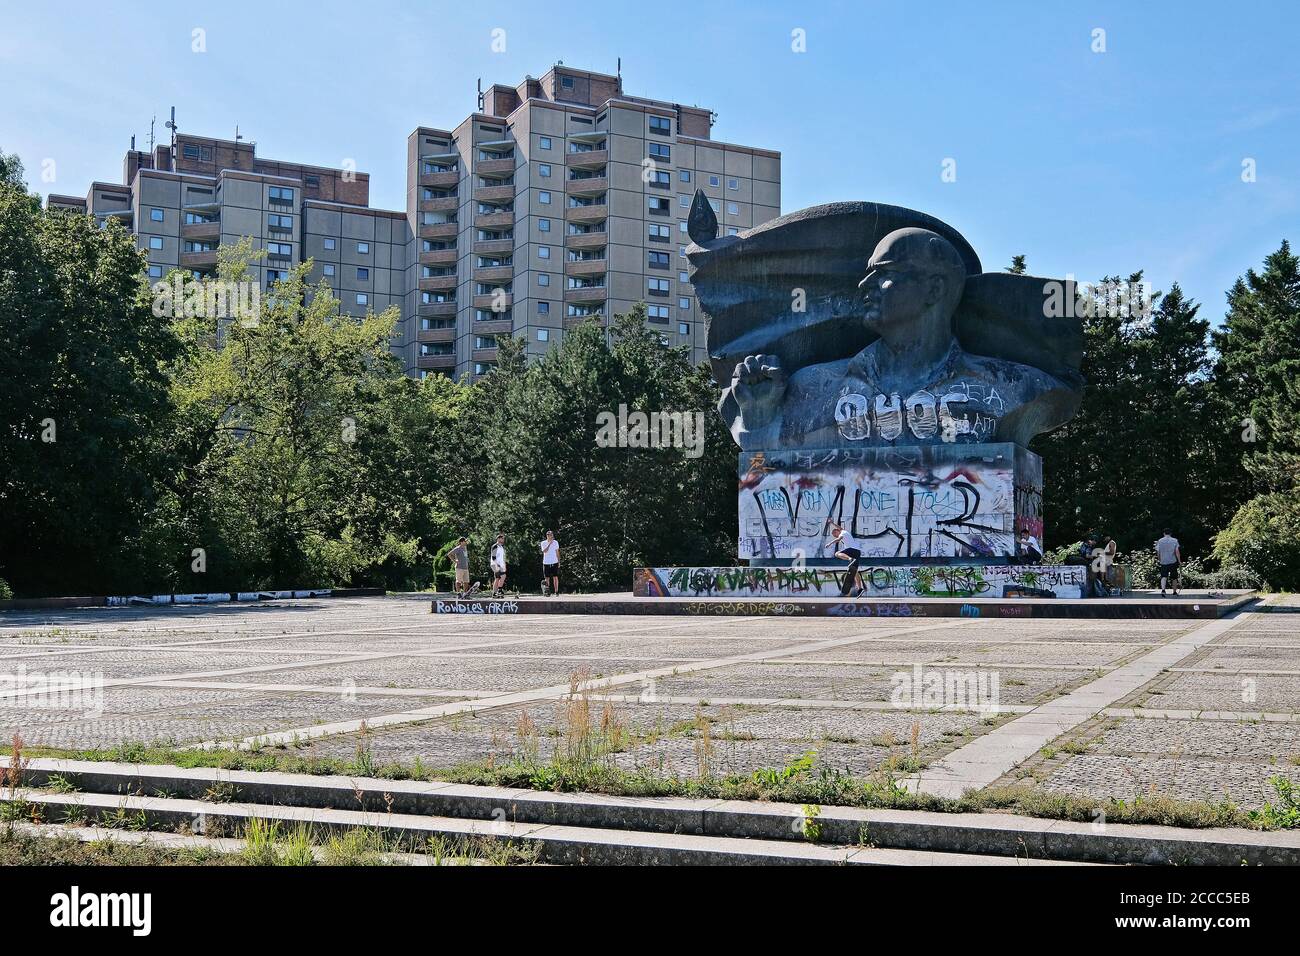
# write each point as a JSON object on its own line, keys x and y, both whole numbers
{"x": 450, "y": 690}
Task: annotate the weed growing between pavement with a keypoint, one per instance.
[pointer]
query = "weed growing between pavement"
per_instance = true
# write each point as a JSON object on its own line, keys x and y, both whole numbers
{"x": 590, "y": 732}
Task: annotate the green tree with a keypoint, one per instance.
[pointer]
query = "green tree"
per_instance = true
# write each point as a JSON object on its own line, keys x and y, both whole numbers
{"x": 84, "y": 396}
{"x": 537, "y": 464}
{"x": 1017, "y": 267}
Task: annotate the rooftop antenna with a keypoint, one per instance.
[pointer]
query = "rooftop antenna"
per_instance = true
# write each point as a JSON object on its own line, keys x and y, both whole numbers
{"x": 171, "y": 125}
{"x": 480, "y": 94}
{"x": 133, "y": 142}
{"x": 151, "y": 122}
{"x": 238, "y": 136}
{"x": 618, "y": 71}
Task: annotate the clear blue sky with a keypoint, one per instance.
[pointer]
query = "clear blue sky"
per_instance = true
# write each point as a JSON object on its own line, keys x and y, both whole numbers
{"x": 1090, "y": 163}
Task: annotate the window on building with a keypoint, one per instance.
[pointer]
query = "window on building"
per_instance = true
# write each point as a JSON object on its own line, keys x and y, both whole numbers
{"x": 543, "y": 252}
{"x": 684, "y": 200}
{"x": 156, "y": 215}
{"x": 683, "y": 277}
{"x": 329, "y": 243}
{"x": 543, "y": 335}
{"x": 363, "y": 248}
{"x": 155, "y": 242}
{"x": 312, "y": 181}
{"x": 543, "y": 279}
{"x": 190, "y": 152}
{"x": 657, "y": 313}
{"x": 733, "y": 209}
{"x": 660, "y": 151}
{"x": 544, "y": 169}
{"x": 543, "y": 225}
{"x": 662, "y": 179}
{"x": 658, "y": 233}
{"x": 683, "y": 328}
{"x": 329, "y": 268}
{"x": 682, "y": 225}
{"x": 485, "y": 342}
{"x": 657, "y": 260}
{"x": 657, "y": 206}
{"x": 566, "y": 82}
{"x": 731, "y": 231}
{"x": 713, "y": 180}
{"x": 280, "y": 195}
{"x": 661, "y": 125}
{"x": 681, "y": 251}
{"x": 482, "y": 368}
{"x": 684, "y": 175}
{"x": 279, "y": 250}
{"x": 733, "y": 183}
{"x": 155, "y": 272}
{"x": 362, "y": 298}
{"x": 544, "y": 142}
{"x": 543, "y": 308}
{"x": 363, "y": 275}
{"x": 544, "y": 198}
{"x": 657, "y": 286}
{"x": 683, "y": 303}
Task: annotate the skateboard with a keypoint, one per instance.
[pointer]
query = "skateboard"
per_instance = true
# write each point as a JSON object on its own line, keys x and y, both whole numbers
{"x": 472, "y": 589}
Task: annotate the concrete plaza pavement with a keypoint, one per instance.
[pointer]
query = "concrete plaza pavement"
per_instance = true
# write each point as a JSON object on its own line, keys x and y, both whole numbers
{"x": 1190, "y": 709}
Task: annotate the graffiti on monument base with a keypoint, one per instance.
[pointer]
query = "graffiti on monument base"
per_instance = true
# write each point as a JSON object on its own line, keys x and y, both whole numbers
{"x": 901, "y": 502}
{"x": 906, "y": 581}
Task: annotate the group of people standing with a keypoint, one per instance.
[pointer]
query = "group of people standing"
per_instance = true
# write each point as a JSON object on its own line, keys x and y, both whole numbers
{"x": 497, "y": 561}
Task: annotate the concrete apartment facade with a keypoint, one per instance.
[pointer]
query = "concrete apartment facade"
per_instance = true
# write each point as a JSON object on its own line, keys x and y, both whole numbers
{"x": 560, "y": 200}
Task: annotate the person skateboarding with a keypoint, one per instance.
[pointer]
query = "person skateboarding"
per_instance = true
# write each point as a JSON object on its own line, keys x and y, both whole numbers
{"x": 498, "y": 563}
{"x": 847, "y": 550}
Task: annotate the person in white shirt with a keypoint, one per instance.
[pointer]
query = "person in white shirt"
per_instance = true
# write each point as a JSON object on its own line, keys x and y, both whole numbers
{"x": 1029, "y": 546}
{"x": 847, "y": 550}
{"x": 498, "y": 562}
{"x": 1169, "y": 555}
{"x": 550, "y": 563}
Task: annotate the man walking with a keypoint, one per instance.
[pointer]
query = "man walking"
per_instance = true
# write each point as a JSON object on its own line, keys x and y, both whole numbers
{"x": 460, "y": 560}
{"x": 550, "y": 564}
{"x": 847, "y": 550}
{"x": 1169, "y": 557}
{"x": 498, "y": 563}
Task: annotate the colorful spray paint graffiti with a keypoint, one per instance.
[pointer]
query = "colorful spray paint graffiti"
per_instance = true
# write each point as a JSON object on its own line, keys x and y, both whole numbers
{"x": 907, "y": 581}
{"x": 923, "y": 501}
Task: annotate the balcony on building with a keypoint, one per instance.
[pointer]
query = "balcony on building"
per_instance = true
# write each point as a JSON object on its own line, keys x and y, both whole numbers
{"x": 494, "y": 270}
{"x": 584, "y": 183}
{"x": 586, "y": 211}
{"x": 494, "y": 191}
{"x": 436, "y": 309}
{"x": 587, "y": 266}
{"x": 439, "y": 257}
{"x": 441, "y": 171}
{"x": 435, "y": 361}
{"x": 436, "y": 335}
{"x": 587, "y": 150}
{"x": 586, "y": 294}
{"x": 486, "y": 300}
{"x": 209, "y": 229}
{"x": 203, "y": 260}
{"x": 496, "y": 158}
{"x": 438, "y": 203}
{"x": 592, "y": 239}
{"x": 494, "y": 220}
{"x": 437, "y": 283}
{"x": 494, "y": 246}
{"x": 439, "y": 230}
{"x": 494, "y": 326}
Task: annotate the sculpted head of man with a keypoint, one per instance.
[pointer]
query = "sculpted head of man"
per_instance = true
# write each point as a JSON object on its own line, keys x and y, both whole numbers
{"x": 915, "y": 278}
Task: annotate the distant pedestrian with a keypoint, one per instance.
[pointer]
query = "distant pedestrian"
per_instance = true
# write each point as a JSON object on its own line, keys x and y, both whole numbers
{"x": 1170, "y": 556}
{"x": 459, "y": 556}
{"x": 847, "y": 550}
{"x": 498, "y": 563}
{"x": 1030, "y": 549}
{"x": 550, "y": 563}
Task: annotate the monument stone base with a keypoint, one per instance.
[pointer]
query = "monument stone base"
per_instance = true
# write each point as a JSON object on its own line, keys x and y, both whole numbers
{"x": 901, "y": 504}
{"x": 879, "y": 580}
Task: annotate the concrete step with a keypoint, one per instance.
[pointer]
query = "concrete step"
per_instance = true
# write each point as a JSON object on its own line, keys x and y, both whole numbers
{"x": 556, "y": 844}
{"x": 981, "y": 834}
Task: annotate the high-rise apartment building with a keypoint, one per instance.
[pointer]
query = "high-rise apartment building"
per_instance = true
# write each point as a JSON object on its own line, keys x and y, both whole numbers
{"x": 560, "y": 199}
